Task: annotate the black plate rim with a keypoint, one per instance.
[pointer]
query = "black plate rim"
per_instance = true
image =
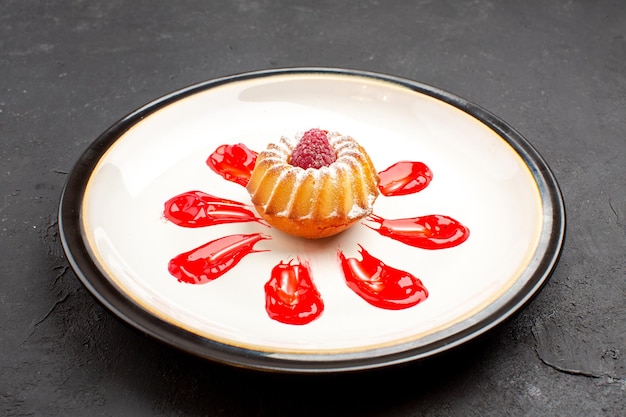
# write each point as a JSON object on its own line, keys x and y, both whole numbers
{"x": 119, "y": 304}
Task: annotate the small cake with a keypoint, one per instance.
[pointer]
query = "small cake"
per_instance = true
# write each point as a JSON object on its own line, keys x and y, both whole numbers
{"x": 315, "y": 185}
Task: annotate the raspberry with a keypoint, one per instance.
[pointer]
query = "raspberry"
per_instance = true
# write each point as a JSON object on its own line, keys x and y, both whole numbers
{"x": 313, "y": 150}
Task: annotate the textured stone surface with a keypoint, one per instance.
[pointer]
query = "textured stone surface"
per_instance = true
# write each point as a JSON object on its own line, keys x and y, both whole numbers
{"x": 556, "y": 71}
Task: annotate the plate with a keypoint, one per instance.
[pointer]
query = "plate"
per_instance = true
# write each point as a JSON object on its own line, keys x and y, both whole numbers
{"x": 485, "y": 176}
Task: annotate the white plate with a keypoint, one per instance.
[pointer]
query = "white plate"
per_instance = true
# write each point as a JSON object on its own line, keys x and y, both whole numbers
{"x": 485, "y": 175}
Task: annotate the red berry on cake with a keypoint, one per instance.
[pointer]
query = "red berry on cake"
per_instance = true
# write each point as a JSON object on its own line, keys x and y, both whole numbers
{"x": 313, "y": 150}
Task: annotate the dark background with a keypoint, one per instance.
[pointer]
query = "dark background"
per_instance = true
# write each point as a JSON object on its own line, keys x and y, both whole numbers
{"x": 555, "y": 70}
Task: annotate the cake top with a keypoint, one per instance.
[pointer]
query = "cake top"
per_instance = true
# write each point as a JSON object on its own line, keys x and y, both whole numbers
{"x": 346, "y": 187}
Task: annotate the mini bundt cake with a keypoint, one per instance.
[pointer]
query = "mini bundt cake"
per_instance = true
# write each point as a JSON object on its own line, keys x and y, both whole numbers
{"x": 315, "y": 185}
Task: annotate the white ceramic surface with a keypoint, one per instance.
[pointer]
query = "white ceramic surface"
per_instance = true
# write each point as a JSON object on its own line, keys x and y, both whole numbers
{"x": 478, "y": 179}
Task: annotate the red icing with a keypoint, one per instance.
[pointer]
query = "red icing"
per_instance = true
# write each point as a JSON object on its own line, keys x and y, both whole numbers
{"x": 212, "y": 260}
{"x": 291, "y": 296}
{"x": 198, "y": 209}
{"x": 403, "y": 178}
{"x": 381, "y": 285}
{"x": 427, "y": 232}
{"x": 233, "y": 162}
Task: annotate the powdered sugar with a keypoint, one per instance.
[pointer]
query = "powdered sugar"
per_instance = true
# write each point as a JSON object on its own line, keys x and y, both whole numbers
{"x": 336, "y": 183}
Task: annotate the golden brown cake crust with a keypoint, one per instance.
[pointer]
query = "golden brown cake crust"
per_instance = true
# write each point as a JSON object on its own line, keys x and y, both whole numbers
{"x": 314, "y": 203}
{"x": 307, "y": 228}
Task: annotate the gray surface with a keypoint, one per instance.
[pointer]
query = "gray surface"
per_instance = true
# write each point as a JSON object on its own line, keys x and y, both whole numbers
{"x": 554, "y": 70}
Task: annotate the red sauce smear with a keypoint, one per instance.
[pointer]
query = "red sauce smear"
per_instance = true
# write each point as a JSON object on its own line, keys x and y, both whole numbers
{"x": 213, "y": 259}
{"x": 199, "y": 209}
{"x": 381, "y": 285}
{"x": 427, "y": 232}
{"x": 290, "y": 295}
{"x": 233, "y": 162}
{"x": 403, "y": 178}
